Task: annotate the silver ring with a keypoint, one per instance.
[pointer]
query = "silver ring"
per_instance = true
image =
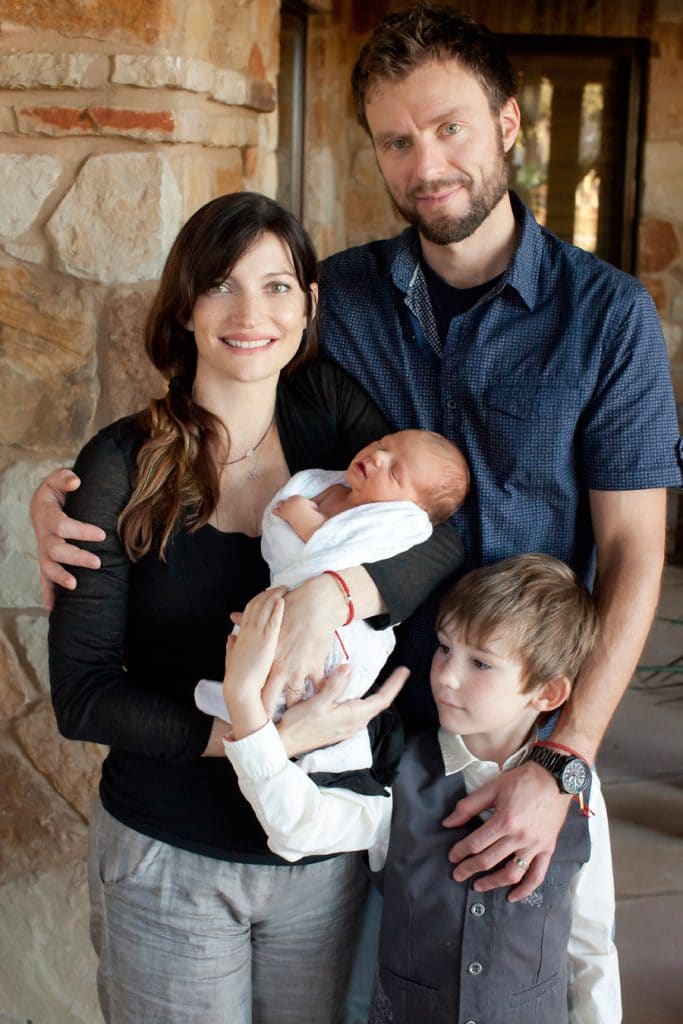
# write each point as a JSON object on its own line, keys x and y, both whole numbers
{"x": 297, "y": 693}
{"x": 521, "y": 863}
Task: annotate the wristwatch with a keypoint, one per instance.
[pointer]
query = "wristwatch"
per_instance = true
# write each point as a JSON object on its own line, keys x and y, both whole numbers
{"x": 570, "y": 771}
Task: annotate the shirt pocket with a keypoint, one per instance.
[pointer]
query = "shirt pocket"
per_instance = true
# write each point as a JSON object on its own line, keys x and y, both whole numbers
{"x": 530, "y": 430}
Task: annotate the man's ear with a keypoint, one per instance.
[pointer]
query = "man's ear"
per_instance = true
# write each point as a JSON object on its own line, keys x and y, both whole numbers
{"x": 509, "y": 119}
{"x": 552, "y": 694}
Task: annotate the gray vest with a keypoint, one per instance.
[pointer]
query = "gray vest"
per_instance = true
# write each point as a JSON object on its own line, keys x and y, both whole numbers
{"x": 450, "y": 955}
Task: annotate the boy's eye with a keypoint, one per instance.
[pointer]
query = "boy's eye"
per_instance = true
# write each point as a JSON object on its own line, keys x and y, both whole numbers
{"x": 444, "y": 648}
{"x": 481, "y": 665}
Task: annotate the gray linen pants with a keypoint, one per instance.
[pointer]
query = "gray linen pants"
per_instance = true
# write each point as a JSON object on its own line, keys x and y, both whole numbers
{"x": 187, "y": 938}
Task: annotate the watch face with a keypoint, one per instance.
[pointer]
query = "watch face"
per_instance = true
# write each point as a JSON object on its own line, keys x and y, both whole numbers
{"x": 574, "y": 776}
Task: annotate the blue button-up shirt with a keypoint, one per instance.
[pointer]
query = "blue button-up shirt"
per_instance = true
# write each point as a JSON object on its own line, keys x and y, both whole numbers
{"x": 555, "y": 382}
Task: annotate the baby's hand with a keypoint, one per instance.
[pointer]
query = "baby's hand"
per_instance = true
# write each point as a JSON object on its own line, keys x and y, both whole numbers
{"x": 302, "y": 514}
{"x": 250, "y": 654}
{"x": 292, "y": 506}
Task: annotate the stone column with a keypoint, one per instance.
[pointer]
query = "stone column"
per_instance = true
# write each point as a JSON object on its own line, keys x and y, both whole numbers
{"x": 117, "y": 121}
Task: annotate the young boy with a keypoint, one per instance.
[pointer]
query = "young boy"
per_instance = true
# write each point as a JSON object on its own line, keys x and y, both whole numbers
{"x": 324, "y": 520}
{"x": 512, "y": 636}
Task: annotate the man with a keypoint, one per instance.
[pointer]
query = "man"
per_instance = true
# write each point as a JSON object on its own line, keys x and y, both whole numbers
{"x": 546, "y": 366}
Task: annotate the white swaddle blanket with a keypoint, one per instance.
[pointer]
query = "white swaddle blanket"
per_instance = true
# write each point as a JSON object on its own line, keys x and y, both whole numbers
{"x": 367, "y": 533}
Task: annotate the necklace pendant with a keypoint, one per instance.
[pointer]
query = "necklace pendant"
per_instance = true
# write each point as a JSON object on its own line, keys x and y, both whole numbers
{"x": 251, "y": 475}
{"x": 249, "y": 454}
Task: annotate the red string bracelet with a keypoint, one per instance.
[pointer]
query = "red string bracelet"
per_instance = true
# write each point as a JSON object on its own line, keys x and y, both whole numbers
{"x": 347, "y": 593}
{"x": 560, "y": 746}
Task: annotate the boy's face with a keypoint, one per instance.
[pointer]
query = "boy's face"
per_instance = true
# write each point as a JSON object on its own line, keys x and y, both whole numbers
{"x": 478, "y": 688}
{"x": 398, "y": 467}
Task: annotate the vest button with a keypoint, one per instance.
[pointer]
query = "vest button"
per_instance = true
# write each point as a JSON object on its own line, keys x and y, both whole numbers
{"x": 478, "y": 909}
{"x": 474, "y": 968}
{"x": 451, "y": 403}
{"x": 470, "y": 1022}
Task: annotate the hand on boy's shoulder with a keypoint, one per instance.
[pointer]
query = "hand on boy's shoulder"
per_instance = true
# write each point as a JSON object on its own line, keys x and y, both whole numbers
{"x": 528, "y": 813}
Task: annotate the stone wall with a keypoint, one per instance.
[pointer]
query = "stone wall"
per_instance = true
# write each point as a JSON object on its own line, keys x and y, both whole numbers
{"x": 116, "y": 122}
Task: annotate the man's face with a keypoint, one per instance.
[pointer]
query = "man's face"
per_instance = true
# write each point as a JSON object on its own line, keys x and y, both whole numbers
{"x": 440, "y": 149}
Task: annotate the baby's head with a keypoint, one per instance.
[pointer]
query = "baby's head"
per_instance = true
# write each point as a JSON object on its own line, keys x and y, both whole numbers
{"x": 411, "y": 465}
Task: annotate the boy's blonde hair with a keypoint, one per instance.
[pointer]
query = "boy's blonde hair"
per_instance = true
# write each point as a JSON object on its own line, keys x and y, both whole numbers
{"x": 545, "y": 613}
{"x": 450, "y": 487}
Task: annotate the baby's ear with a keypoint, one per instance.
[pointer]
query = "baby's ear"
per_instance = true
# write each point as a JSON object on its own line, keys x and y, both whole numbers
{"x": 552, "y": 694}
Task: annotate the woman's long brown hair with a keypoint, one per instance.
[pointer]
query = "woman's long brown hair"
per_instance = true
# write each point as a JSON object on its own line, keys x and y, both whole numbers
{"x": 177, "y": 480}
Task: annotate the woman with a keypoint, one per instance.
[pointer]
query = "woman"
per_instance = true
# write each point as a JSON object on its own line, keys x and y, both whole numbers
{"x": 192, "y": 917}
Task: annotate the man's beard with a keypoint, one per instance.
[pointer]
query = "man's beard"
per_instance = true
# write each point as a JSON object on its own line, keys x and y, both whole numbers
{"x": 446, "y": 229}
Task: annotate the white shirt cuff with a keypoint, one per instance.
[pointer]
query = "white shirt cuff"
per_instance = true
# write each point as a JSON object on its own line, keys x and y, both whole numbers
{"x": 259, "y": 756}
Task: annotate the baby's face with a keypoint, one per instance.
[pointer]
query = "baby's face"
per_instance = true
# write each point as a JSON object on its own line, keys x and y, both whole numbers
{"x": 398, "y": 467}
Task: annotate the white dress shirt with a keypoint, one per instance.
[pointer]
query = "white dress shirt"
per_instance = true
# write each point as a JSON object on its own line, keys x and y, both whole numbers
{"x": 301, "y": 819}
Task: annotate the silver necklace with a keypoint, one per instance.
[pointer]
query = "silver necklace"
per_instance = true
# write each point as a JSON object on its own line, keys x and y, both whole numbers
{"x": 250, "y": 452}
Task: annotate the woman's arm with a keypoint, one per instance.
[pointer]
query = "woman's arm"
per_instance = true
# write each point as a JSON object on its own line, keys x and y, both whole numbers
{"x": 404, "y": 581}
{"x": 93, "y": 696}
{"x": 325, "y": 418}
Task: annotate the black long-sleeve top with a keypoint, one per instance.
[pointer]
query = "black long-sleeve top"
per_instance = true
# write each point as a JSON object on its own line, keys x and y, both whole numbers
{"x": 128, "y": 646}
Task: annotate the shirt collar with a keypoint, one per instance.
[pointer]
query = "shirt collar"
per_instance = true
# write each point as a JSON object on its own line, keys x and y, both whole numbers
{"x": 457, "y": 757}
{"x": 522, "y": 273}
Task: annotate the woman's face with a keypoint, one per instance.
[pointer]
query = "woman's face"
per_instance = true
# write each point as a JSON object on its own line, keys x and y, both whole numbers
{"x": 249, "y": 326}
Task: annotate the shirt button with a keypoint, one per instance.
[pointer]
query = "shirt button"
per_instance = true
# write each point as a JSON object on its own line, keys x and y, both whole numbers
{"x": 470, "y": 1022}
{"x": 474, "y": 968}
{"x": 478, "y": 909}
{"x": 451, "y": 403}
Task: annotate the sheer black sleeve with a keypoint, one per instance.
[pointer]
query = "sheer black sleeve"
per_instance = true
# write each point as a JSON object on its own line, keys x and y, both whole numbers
{"x": 94, "y": 697}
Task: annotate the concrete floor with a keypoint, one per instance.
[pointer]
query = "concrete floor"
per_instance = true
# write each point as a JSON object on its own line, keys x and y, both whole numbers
{"x": 641, "y": 768}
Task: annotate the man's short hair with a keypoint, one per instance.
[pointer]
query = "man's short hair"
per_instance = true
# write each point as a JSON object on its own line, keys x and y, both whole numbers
{"x": 407, "y": 39}
{"x": 537, "y": 604}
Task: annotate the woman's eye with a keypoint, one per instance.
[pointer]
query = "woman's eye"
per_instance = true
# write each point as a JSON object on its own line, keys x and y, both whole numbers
{"x": 278, "y": 287}
{"x": 219, "y": 289}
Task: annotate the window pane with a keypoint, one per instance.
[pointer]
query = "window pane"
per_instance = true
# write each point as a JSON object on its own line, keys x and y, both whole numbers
{"x": 575, "y": 159}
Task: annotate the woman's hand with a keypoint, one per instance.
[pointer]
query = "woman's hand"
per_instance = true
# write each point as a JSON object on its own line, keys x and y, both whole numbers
{"x": 313, "y": 611}
{"x": 248, "y": 660}
{"x": 321, "y": 720}
{"x": 53, "y": 527}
